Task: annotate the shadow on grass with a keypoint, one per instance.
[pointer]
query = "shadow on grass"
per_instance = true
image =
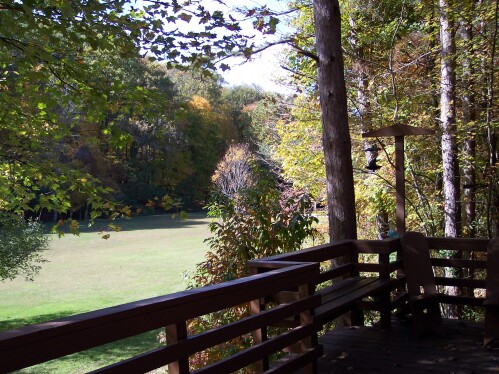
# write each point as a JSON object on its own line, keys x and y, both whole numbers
{"x": 98, "y": 357}
{"x": 155, "y": 222}
{"x": 90, "y": 359}
{"x": 16, "y": 323}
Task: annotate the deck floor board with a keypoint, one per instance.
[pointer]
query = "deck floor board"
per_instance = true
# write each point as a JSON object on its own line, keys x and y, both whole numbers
{"x": 372, "y": 350}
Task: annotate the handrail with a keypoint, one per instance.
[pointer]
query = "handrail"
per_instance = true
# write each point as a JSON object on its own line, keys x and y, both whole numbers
{"x": 34, "y": 344}
{"x": 475, "y": 266}
{"x": 384, "y": 269}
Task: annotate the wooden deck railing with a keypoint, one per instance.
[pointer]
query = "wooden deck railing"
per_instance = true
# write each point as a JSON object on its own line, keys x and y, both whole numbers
{"x": 384, "y": 265}
{"x": 39, "y": 343}
{"x": 472, "y": 268}
{"x": 296, "y": 280}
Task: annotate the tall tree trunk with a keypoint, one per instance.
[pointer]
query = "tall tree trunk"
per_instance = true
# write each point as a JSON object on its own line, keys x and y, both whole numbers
{"x": 448, "y": 122}
{"x": 336, "y": 136}
{"x": 468, "y": 121}
{"x": 489, "y": 69}
{"x": 449, "y": 135}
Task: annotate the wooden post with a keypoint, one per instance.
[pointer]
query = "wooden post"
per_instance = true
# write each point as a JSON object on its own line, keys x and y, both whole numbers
{"x": 175, "y": 333}
{"x": 259, "y": 336}
{"x": 304, "y": 291}
{"x": 400, "y": 184}
{"x": 356, "y": 315}
{"x": 384, "y": 298}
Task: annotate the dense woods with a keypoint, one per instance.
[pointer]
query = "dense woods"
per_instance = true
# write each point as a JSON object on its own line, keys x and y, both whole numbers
{"x": 421, "y": 63}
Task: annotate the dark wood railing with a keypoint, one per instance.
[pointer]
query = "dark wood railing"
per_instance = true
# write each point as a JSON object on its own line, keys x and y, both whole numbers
{"x": 472, "y": 268}
{"x": 296, "y": 279}
{"x": 39, "y": 343}
{"x": 384, "y": 265}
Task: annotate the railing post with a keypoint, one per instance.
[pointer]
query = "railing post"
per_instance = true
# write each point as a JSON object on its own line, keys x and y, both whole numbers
{"x": 260, "y": 335}
{"x": 174, "y": 334}
{"x": 304, "y": 291}
{"x": 356, "y": 315}
{"x": 385, "y": 311}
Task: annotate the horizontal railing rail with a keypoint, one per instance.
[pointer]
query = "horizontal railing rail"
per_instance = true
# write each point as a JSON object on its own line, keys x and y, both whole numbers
{"x": 35, "y": 344}
{"x": 387, "y": 265}
{"x": 471, "y": 267}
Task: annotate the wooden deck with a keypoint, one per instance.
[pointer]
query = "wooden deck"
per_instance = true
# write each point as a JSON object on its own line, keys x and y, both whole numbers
{"x": 372, "y": 350}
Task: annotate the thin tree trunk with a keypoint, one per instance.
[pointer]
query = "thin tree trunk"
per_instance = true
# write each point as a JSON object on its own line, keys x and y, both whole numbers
{"x": 492, "y": 135}
{"x": 468, "y": 121}
{"x": 448, "y": 123}
{"x": 449, "y": 134}
{"x": 336, "y": 135}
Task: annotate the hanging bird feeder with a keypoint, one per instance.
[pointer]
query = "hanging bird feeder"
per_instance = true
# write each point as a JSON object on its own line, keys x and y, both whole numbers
{"x": 372, "y": 166}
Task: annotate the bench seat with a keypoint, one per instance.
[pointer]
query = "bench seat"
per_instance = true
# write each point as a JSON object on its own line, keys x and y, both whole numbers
{"x": 342, "y": 296}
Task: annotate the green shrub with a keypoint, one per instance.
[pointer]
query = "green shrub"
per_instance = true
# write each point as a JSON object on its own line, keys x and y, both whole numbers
{"x": 20, "y": 245}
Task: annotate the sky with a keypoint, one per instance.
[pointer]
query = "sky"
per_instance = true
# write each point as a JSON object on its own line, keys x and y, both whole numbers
{"x": 263, "y": 69}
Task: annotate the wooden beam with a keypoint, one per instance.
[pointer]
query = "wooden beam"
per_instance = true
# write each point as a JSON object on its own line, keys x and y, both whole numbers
{"x": 400, "y": 184}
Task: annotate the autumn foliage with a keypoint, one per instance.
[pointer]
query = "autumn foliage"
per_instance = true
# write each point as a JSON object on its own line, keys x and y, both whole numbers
{"x": 253, "y": 216}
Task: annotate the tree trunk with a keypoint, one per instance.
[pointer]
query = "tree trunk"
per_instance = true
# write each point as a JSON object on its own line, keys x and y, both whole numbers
{"x": 448, "y": 123}
{"x": 336, "y": 136}
{"x": 468, "y": 121}
{"x": 449, "y": 134}
{"x": 489, "y": 68}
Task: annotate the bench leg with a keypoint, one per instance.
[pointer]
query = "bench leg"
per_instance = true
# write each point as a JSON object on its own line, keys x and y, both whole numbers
{"x": 385, "y": 312}
{"x": 426, "y": 318}
{"x": 357, "y": 317}
{"x": 491, "y": 325}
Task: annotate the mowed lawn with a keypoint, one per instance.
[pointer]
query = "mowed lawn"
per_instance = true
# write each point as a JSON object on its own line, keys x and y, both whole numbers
{"x": 148, "y": 258}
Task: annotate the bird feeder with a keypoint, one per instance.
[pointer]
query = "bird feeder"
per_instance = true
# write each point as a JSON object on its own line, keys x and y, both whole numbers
{"x": 372, "y": 165}
{"x": 399, "y": 131}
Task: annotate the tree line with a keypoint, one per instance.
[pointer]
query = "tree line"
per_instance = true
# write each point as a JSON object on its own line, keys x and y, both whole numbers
{"x": 90, "y": 125}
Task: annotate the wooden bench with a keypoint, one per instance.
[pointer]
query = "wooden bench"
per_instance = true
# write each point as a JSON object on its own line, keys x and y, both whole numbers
{"x": 344, "y": 295}
{"x": 336, "y": 300}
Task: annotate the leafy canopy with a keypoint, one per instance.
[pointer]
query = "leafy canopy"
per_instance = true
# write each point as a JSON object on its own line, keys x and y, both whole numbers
{"x": 62, "y": 66}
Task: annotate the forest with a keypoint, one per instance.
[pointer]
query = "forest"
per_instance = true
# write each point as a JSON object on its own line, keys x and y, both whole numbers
{"x": 119, "y": 108}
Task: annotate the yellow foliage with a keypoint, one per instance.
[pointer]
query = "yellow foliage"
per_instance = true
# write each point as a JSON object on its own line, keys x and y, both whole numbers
{"x": 200, "y": 103}
{"x": 234, "y": 171}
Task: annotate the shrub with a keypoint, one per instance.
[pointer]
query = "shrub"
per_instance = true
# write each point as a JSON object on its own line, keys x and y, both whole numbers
{"x": 254, "y": 217}
{"x": 20, "y": 245}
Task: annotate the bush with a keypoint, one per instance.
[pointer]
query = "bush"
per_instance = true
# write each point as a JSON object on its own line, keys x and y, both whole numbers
{"x": 255, "y": 217}
{"x": 20, "y": 245}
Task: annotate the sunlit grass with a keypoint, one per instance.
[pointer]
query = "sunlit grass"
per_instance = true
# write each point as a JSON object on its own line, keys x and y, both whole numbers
{"x": 148, "y": 258}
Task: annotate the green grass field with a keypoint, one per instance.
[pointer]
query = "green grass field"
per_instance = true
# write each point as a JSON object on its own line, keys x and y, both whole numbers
{"x": 148, "y": 258}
